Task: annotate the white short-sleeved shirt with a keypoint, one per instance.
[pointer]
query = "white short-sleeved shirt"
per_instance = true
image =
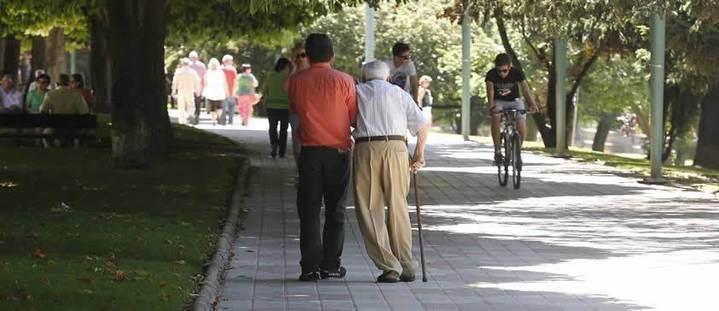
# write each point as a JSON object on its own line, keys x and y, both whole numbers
{"x": 399, "y": 76}
{"x": 215, "y": 85}
{"x": 384, "y": 109}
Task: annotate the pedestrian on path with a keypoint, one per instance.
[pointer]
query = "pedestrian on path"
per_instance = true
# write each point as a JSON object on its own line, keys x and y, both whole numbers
{"x": 200, "y": 68}
{"x": 325, "y": 101}
{"x": 381, "y": 168}
{"x": 228, "y": 106}
{"x": 245, "y": 85}
{"x": 215, "y": 89}
{"x": 424, "y": 98}
{"x": 300, "y": 62}
{"x": 402, "y": 71}
{"x": 186, "y": 85}
{"x": 277, "y": 104}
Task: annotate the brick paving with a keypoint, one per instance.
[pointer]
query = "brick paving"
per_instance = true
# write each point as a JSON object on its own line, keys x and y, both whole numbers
{"x": 575, "y": 237}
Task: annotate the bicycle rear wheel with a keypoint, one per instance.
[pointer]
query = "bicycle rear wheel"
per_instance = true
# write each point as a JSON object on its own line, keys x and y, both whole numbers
{"x": 516, "y": 155}
{"x": 502, "y": 166}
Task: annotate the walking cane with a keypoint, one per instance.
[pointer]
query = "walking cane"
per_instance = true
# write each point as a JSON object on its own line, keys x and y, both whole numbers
{"x": 419, "y": 228}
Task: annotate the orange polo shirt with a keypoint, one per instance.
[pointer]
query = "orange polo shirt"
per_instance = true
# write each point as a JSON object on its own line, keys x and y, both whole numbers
{"x": 326, "y": 103}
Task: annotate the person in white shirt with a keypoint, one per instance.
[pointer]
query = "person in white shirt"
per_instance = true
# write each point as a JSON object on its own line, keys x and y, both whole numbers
{"x": 10, "y": 97}
{"x": 186, "y": 85}
{"x": 215, "y": 89}
{"x": 381, "y": 168}
{"x": 402, "y": 71}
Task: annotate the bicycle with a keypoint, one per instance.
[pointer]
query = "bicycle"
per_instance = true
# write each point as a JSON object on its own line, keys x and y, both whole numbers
{"x": 511, "y": 143}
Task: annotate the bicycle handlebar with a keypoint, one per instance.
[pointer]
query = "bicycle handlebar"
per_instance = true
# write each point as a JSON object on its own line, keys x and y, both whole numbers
{"x": 521, "y": 111}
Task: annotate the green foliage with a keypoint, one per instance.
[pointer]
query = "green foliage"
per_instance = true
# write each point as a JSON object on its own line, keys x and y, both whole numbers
{"x": 436, "y": 43}
{"x": 29, "y": 18}
{"x": 616, "y": 85}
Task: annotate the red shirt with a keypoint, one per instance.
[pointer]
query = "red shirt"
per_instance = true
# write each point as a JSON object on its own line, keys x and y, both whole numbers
{"x": 325, "y": 101}
{"x": 230, "y": 76}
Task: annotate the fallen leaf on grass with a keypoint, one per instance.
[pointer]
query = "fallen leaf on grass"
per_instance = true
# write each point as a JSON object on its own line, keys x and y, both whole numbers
{"x": 180, "y": 262}
{"x": 120, "y": 276}
{"x": 39, "y": 253}
{"x": 85, "y": 292}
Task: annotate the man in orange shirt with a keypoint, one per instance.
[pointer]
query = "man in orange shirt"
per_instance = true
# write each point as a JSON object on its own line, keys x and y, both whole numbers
{"x": 324, "y": 99}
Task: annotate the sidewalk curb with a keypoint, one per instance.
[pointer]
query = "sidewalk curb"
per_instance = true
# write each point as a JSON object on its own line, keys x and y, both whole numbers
{"x": 211, "y": 288}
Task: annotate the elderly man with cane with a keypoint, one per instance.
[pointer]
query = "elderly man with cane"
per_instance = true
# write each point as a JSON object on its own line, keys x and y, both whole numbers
{"x": 381, "y": 170}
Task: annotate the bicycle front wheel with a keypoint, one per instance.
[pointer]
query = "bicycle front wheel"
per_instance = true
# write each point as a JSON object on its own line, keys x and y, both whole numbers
{"x": 502, "y": 171}
{"x": 516, "y": 155}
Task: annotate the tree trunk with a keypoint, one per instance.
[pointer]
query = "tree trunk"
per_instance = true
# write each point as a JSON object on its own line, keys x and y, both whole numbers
{"x": 572, "y": 95}
{"x": 38, "y": 55}
{"x": 707, "y": 154}
{"x": 141, "y": 127}
{"x": 55, "y": 53}
{"x": 603, "y": 127}
{"x": 532, "y": 131}
{"x": 99, "y": 63}
{"x": 642, "y": 120}
{"x": 12, "y": 56}
{"x": 2, "y": 55}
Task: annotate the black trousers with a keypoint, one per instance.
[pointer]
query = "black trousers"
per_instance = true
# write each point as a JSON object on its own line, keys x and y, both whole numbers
{"x": 198, "y": 107}
{"x": 324, "y": 174}
{"x": 278, "y": 117}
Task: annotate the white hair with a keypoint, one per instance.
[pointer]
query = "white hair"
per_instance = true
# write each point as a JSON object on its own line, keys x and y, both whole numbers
{"x": 227, "y": 57}
{"x": 184, "y": 61}
{"x": 192, "y": 54}
{"x": 214, "y": 64}
{"x": 375, "y": 70}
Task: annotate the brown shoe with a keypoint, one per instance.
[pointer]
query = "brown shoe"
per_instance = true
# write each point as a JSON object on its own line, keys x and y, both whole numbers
{"x": 388, "y": 277}
{"x": 406, "y": 278}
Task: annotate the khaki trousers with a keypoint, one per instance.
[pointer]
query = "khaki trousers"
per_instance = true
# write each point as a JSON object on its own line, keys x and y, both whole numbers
{"x": 381, "y": 176}
{"x": 185, "y": 107}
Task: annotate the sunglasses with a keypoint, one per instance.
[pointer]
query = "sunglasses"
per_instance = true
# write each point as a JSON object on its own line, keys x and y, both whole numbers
{"x": 301, "y": 55}
{"x": 503, "y": 70}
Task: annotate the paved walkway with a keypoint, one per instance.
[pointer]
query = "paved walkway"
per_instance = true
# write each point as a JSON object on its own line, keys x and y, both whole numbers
{"x": 575, "y": 237}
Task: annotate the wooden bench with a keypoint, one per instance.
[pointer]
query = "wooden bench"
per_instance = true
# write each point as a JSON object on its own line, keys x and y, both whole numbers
{"x": 63, "y": 125}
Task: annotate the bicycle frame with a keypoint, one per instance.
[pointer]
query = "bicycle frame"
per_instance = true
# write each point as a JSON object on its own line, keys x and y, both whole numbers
{"x": 511, "y": 142}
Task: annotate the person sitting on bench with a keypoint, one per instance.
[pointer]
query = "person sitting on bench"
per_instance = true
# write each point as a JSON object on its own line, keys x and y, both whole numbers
{"x": 10, "y": 97}
{"x": 63, "y": 100}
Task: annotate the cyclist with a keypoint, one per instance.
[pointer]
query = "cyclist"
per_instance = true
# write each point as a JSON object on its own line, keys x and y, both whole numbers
{"x": 503, "y": 84}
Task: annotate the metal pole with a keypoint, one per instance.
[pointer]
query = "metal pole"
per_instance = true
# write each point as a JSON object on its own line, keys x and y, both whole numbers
{"x": 368, "y": 33}
{"x": 658, "y": 41}
{"x": 466, "y": 67}
{"x": 560, "y": 93}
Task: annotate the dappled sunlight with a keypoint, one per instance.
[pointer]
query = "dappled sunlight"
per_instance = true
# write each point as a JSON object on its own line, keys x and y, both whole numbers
{"x": 601, "y": 221}
{"x": 682, "y": 280}
{"x": 468, "y": 169}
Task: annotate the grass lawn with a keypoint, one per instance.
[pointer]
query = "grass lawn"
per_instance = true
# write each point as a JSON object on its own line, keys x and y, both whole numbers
{"x": 77, "y": 234}
{"x": 703, "y": 179}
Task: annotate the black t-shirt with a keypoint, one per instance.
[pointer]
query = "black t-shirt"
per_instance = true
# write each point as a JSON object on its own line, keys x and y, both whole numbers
{"x": 506, "y": 89}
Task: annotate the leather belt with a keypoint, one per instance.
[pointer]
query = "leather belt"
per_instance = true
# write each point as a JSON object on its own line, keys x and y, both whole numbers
{"x": 380, "y": 138}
